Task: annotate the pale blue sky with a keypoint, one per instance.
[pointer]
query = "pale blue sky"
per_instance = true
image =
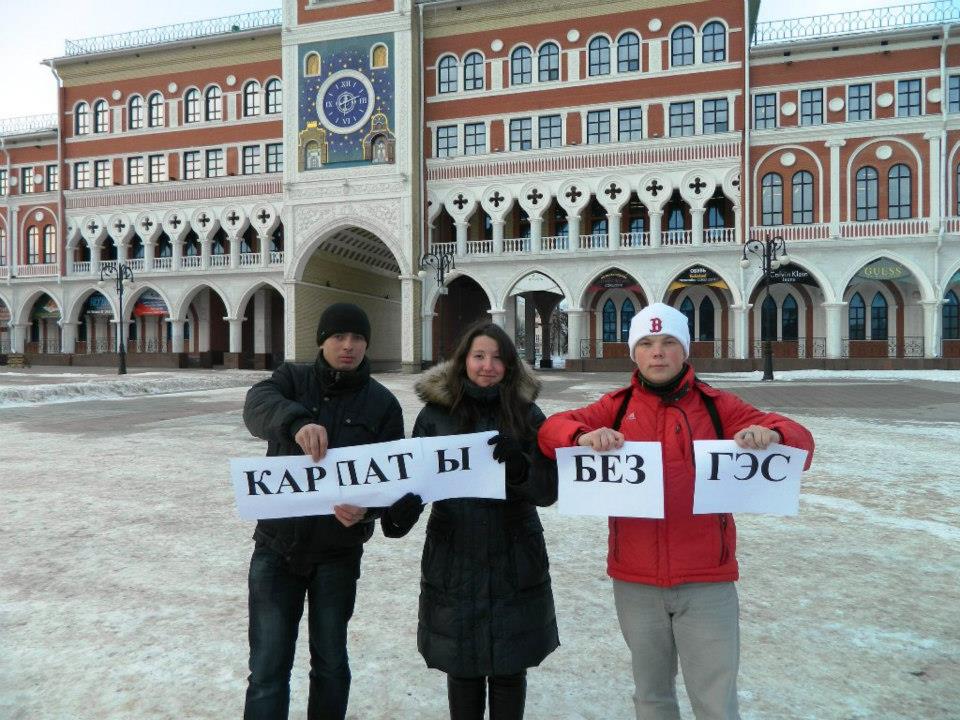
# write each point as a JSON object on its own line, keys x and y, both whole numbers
{"x": 35, "y": 30}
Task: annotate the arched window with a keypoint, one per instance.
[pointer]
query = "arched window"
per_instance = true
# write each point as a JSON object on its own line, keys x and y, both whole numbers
{"x": 681, "y": 46}
{"x": 866, "y": 193}
{"x": 3, "y": 247}
{"x": 473, "y": 71}
{"x": 899, "y": 192}
{"x": 548, "y": 62}
{"x": 715, "y": 215}
{"x": 274, "y": 96}
{"x": 155, "y": 110}
{"x": 878, "y": 317}
{"x": 789, "y": 319}
{"x": 380, "y": 57}
{"x": 213, "y": 107}
{"x": 311, "y": 65}
{"x": 135, "y": 113}
{"x": 706, "y": 320}
{"x": 251, "y": 99}
{"x": 628, "y": 52}
{"x": 609, "y": 321}
{"x": 802, "y": 205}
{"x": 768, "y": 319}
{"x": 675, "y": 219}
{"x": 856, "y": 318}
{"x": 81, "y": 119}
{"x": 521, "y": 66}
{"x": 714, "y": 42}
{"x": 771, "y": 199}
{"x": 191, "y": 106}
{"x": 33, "y": 245}
{"x": 686, "y": 307}
{"x": 447, "y": 75}
{"x": 101, "y": 117}
{"x": 951, "y": 317}
{"x": 49, "y": 244}
{"x": 599, "y": 56}
{"x": 627, "y": 311}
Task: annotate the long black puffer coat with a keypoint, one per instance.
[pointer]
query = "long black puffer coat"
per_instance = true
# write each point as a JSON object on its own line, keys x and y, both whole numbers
{"x": 486, "y": 604}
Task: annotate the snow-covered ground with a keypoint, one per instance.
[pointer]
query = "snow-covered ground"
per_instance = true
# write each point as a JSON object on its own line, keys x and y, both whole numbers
{"x": 123, "y": 579}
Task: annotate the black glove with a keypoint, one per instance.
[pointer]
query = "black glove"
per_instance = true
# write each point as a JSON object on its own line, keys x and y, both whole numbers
{"x": 402, "y": 515}
{"x": 507, "y": 450}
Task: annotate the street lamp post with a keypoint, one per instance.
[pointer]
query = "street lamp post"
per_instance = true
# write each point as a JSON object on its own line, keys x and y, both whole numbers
{"x": 442, "y": 263}
{"x": 120, "y": 273}
{"x": 772, "y": 252}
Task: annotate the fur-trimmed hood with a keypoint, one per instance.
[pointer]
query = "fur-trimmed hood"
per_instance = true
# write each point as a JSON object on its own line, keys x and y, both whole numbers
{"x": 434, "y": 386}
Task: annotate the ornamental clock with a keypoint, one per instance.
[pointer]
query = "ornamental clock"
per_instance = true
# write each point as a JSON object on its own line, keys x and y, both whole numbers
{"x": 345, "y": 102}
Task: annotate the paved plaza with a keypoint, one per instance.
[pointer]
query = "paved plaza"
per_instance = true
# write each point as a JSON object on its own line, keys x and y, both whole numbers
{"x": 123, "y": 581}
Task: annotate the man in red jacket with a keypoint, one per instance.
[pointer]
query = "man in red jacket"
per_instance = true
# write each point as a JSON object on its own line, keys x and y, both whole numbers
{"x": 673, "y": 579}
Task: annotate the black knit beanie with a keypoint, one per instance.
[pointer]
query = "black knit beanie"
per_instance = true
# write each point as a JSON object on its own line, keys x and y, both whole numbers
{"x": 343, "y": 318}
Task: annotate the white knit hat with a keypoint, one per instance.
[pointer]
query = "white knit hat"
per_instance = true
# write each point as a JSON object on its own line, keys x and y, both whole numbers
{"x": 659, "y": 319}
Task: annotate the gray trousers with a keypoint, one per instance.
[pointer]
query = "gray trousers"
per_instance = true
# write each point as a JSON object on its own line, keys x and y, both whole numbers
{"x": 699, "y": 623}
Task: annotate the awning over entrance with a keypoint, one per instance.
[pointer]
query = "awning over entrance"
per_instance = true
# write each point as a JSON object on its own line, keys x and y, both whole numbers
{"x": 698, "y": 275}
{"x": 150, "y": 304}
{"x": 884, "y": 269}
{"x": 97, "y": 304}
{"x": 45, "y": 311}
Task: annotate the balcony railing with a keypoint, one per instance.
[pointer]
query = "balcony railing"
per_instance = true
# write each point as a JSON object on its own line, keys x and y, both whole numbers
{"x": 884, "y": 228}
{"x": 190, "y": 261}
{"x": 32, "y": 271}
{"x": 594, "y": 241}
{"x": 173, "y": 191}
{"x": 952, "y": 224}
{"x": 817, "y": 231}
{"x": 276, "y": 257}
{"x": 27, "y": 123}
{"x": 554, "y": 242}
{"x": 135, "y": 264}
{"x": 720, "y": 235}
{"x": 515, "y": 245}
{"x": 634, "y": 239}
{"x": 479, "y": 247}
{"x": 444, "y": 248}
{"x": 4, "y": 272}
{"x": 677, "y": 237}
{"x": 219, "y": 261}
{"x": 248, "y": 259}
{"x": 163, "y": 263}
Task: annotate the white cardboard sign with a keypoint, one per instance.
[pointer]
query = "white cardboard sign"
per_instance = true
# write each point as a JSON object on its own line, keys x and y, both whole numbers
{"x": 626, "y": 483}
{"x": 372, "y": 475}
{"x": 732, "y": 479}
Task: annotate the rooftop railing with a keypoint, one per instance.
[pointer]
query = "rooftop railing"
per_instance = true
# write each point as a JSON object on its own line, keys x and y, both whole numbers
{"x": 174, "y": 33}
{"x": 857, "y": 21}
{"x": 28, "y": 123}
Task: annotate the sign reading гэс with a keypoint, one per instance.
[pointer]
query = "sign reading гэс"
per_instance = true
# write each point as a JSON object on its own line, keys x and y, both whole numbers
{"x": 372, "y": 475}
{"x": 627, "y": 482}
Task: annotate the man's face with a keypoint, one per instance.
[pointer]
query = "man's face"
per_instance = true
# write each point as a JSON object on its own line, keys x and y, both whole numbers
{"x": 344, "y": 351}
{"x": 659, "y": 357}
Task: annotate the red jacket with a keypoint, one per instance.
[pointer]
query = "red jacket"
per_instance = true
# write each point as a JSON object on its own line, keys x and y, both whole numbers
{"x": 682, "y": 547}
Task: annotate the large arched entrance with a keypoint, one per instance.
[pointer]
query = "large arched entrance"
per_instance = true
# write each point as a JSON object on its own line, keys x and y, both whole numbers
{"x": 611, "y": 300}
{"x": 460, "y": 304}
{"x": 884, "y": 314}
{"x": 790, "y": 316}
{"x": 150, "y": 330}
{"x": 205, "y": 314}
{"x": 5, "y": 341}
{"x": 96, "y": 329}
{"x": 705, "y": 298}
{"x": 535, "y": 320}
{"x": 950, "y": 318}
{"x": 44, "y": 331}
{"x": 261, "y": 335}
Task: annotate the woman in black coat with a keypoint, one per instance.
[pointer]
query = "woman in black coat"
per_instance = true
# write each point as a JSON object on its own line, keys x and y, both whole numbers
{"x": 486, "y": 605}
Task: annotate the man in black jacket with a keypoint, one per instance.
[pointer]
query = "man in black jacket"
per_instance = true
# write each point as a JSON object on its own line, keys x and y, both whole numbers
{"x": 305, "y": 409}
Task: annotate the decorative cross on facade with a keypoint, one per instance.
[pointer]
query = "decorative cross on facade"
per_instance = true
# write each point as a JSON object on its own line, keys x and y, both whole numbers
{"x": 654, "y": 187}
{"x": 264, "y": 216}
{"x": 233, "y": 217}
{"x": 176, "y": 222}
{"x": 203, "y": 220}
{"x": 147, "y": 224}
{"x": 573, "y": 194}
{"x": 460, "y": 201}
{"x": 697, "y": 185}
{"x": 535, "y": 196}
{"x": 119, "y": 225}
{"x": 93, "y": 227}
{"x": 497, "y": 198}
{"x": 613, "y": 191}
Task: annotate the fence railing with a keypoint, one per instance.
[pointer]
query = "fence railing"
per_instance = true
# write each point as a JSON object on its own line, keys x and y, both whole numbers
{"x": 634, "y": 239}
{"x": 719, "y": 235}
{"x": 190, "y": 261}
{"x": 909, "y": 346}
{"x": 82, "y": 267}
{"x": 883, "y": 228}
{"x": 50, "y": 346}
{"x": 37, "y": 270}
{"x": 248, "y": 259}
{"x": 801, "y": 347}
{"x": 813, "y": 231}
{"x": 443, "y": 248}
{"x": 219, "y": 261}
{"x": 153, "y": 345}
{"x": 135, "y": 264}
{"x": 554, "y": 242}
{"x": 479, "y": 247}
{"x": 163, "y": 263}
{"x": 4, "y": 272}
{"x": 276, "y": 257}
{"x": 514, "y": 245}
{"x": 677, "y": 237}
{"x": 594, "y": 241}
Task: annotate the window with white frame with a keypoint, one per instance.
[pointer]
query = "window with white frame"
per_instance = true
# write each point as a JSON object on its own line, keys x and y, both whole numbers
{"x": 274, "y": 157}
{"x": 191, "y": 106}
{"x": 251, "y": 99}
{"x": 101, "y": 117}
{"x": 156, "y": 168}
{"x": 715, "y": 116}
{"x": 3, "y": 182}
{"x": 3, "y": 247}
{"x": 213, "y": 105}
{"x": 628, "y": 52}
{"x": 53, "y": 178}
{"x": 81, "y": 175}
{"x": 135, "y": 170}
{"x": 548, "y": 62}
{"x": 550, "y": 131}
{"x": 771, "y": 199}
{"x": 474, "y": 138}
{"x": 33, "y": 245}
{"x": 135, "y": 113}
{"x": 155, "y": 110}
{"x": 629, "y": 124}
{"x": 191, "y": 165}
{"x": 811, "y": 107}
{"x": 599, "y": 56}
{"x": 26, "y": 181}
{"x": 446, "y": 141}
{"x": 215, "y": 164}
{"x": 49, "y": 244}
{"x": 447, "y": 75}
{"x": 102, "y": 175}
{"x": 250, "y": 163}
{"x": 867, "y": 192}
{"x": 954, "y": 96}
{"x": 859, "y": 102}
{"x": 899, "y": 192}
{"x": 473, "y": 71}
{"x": 521, "y": 134}
{"x": 802, "y": 198}
{"x": 764, "y": 111}
{"x": 681, "y": 46}
{"x": 908, "y": 98}
{"x": 81, "y": 119}
{"x": 714, "y": 42}
{"x": 521, "y": 66}
{"x": 682, "y": 120}
{"x": 274, "y": 97}
{"x": 598, "y": 127}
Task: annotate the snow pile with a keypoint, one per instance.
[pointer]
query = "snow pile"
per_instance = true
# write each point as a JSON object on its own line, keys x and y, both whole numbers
{"x": 871, "y": 375}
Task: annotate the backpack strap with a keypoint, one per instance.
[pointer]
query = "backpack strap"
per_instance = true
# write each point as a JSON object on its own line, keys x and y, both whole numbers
{"x": 712, "y": 411}
{"x": 622, "y": 410}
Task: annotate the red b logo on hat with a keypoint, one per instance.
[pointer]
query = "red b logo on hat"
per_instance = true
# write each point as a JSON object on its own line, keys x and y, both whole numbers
{"x": 656, "y": 325}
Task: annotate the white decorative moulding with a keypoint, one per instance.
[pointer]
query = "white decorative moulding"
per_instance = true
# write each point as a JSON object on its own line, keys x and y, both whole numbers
{"x": 884, "y": 152}
{"x": 654, "y": 24}
{"x": 37, "y": 179}
{"x": 788, "y": 159}
{"x": 231, "y": 80}
{"x": 934, "y": 95}
{"x": 115, "y": 94}
{"x": 788, "y": 108}
{"x": 835, "y": 104}
{"x": 38, "y": 216}
{"x": 573, "y": 35}
{"x": 885, "y": 100}
{"x": 172, "y": 87}
{"x": 12, "y": 181}
{"x": 497, "y": 45}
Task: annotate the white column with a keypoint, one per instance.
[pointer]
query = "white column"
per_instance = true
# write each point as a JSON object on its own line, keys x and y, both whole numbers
{"x": 236, "y": 334}
{"x": 261, "y": 319}
{"x": 91, "y": 347}
{"x": 655, "y": 217}
{"x": 408, "y": 311}
{"x": 934, "y": 178}
{"x": 576, "y": 321}
{"x": 932, "y": 346}
{"x": 696, "y": 217}
{"x": 499, "y": 317}
{"x": 613, "y": 230}
{"x": 463, "y": 228}
{"x": 68, "y": 335}
{"x": 205, "y": 254}
{"x": 833, "y": 313}
{"x": 834, "y": 186}
{"x": 741, "y": 330}
{"x": 18, "y": 336}
{"x": 510, "y": 321}
{"x": 149, "y": 253}
{"x": 536, "y": 234}
{"x": 94, "y": 258}
{"x": 264, "y": 250}
{"x": 177, "y": 254}
{"x": 176, "y": 335}
{"x": 573, "y": 231}
{"x": 235, "y": 252}
{"x": 427, "y": 336}
{"x": 498, "y": 237}
{"x": 738, "y": 223}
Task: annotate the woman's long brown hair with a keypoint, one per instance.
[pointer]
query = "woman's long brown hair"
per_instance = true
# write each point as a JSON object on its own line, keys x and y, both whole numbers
{"x": 514, "y": 411}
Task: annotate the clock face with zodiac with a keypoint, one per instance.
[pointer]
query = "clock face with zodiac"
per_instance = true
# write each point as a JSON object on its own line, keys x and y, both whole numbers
{"x": 345, "y": 102}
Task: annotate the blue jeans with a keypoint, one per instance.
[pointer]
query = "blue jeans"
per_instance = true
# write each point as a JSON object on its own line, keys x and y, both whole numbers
{"x": 276, "y": 606}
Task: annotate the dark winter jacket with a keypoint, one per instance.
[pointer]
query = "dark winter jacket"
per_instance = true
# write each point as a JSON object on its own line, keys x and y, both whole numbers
{"x": 355, "y": 410}
{"x": 682, "y": 547}
{"x": 486, "y": 604}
